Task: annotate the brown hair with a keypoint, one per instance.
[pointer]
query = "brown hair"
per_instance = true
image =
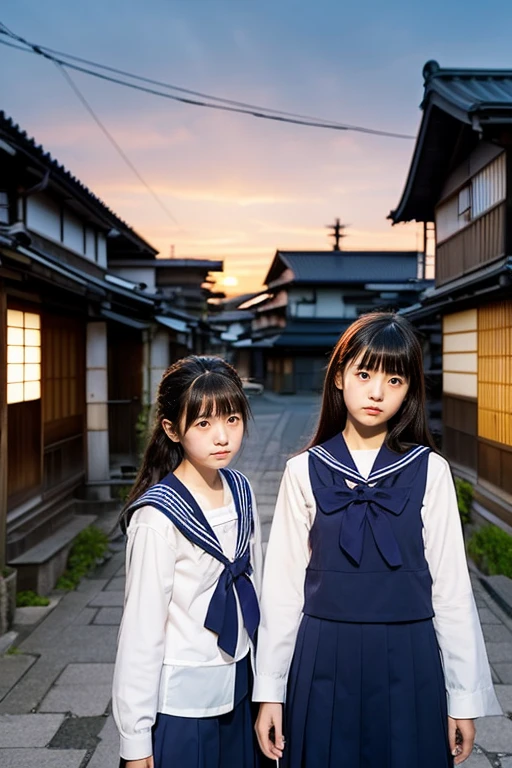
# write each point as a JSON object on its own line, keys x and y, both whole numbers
{"x": 193, "y": 386}
{"x": 385, "y": 341}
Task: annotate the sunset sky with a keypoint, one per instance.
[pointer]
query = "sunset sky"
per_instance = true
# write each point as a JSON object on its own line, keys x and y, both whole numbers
{"x": 238, "y": 187}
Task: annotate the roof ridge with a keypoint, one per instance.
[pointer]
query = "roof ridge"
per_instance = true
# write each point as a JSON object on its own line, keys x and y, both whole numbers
{"x": 432, "y": 69}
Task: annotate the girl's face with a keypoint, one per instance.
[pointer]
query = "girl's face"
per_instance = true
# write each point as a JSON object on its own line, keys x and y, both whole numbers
{"x": 210, "y": 442}
{"x": 372, "y": 398}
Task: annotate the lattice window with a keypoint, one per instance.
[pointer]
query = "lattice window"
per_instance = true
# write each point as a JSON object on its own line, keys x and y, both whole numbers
{"x": 495, "y": 372}
{"x": 23, "y": 356}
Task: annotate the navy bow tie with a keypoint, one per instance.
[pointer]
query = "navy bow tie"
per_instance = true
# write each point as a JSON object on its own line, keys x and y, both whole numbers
{"x": 365, "y": 503}
{"x": 222, "y": 614}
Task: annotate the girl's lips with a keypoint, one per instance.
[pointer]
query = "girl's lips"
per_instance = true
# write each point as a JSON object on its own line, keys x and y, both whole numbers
{"x": 373, "y": 410}
{"x": 221, "y": 453}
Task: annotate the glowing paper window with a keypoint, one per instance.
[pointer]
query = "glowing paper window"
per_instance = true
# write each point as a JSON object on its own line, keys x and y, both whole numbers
{"x": 23, "y": 356}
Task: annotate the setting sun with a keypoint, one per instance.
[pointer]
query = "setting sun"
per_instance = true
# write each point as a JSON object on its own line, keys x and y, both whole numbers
{"x": 229, "y": 281}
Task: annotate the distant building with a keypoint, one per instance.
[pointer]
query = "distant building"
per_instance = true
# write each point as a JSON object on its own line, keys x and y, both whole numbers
{"x": 461, "y": 179}
{"x": 310, "y": 299}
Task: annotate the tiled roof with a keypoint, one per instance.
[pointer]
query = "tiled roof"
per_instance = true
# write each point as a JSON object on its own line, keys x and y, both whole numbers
{"x": 459, "y": 107}
{"x": 339, "y": 267}
{"x": 19, "y": 139}
{"x": 468, "y": 92}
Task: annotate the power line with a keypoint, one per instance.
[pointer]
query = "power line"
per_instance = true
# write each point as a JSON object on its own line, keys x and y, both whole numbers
{"x": 226, "y": 105}
{"x": 114, "y": 143}
{"x": 104, "y": 130}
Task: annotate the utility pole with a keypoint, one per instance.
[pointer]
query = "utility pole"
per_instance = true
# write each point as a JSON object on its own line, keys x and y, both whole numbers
{"x": 337, "y": 234}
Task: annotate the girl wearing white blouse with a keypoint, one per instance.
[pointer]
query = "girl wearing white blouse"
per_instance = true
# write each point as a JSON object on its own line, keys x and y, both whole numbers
{"x": 193, "y": 564}
{"x": 369, "y": 630}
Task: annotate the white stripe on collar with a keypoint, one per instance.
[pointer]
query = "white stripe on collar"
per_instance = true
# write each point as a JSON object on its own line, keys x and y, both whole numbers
{"x": 242, "y": 489}
{"x": 169, "y": 497}
{"x": 166, "y": 496}
{"x": 327, "y": 458}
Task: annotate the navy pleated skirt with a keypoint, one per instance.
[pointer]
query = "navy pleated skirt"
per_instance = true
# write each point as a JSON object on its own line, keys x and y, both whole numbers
{"x": 366, "y": 696}
{"x": 223, "y": 741}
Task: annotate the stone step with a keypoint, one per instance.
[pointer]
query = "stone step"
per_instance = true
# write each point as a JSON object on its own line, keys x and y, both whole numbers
{"x": 40, "y": 566}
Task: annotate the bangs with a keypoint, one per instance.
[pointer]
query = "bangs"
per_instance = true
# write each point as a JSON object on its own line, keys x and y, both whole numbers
{"x": 387, "y": 350}
{"x": 213, "y": 394}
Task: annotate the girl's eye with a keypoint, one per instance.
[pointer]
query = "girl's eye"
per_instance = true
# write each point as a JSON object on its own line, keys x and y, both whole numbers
{"x": 203, "y": 423}
{"x": 233, "y": 419}
{"x": 395, "y": 381}
{"x": 364, "y": 375}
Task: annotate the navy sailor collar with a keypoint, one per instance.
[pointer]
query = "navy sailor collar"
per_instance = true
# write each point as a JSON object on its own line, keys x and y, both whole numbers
{"x": 336, "y": 455}
{"x": 170, "y": 494}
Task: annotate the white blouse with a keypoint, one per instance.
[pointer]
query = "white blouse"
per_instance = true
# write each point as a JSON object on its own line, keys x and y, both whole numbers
{"x": 166, "y": 660}
{"x": 466, "y": 669}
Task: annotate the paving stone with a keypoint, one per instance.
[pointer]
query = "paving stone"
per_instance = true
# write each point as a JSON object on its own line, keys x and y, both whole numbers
{"x": 110, "y": 616}
{"x": 500, "y": 587}
{"x": 83, "y": 700}
{"x": 28, "y": 730}
{"x": 86, "y": 616}
{"x": 42, "y": 758}
{"x": 25, "y": 696}
{"x": 86, "y": 674}
{"x": 494, "y": 734}
{"x": 106, "y": 754}
{"x": 498, "y": 652}
{"x": 504, "y": 672}
{"x": 506, "y": 762}
{"x": 107, "y": 599}
{"x": 78, "y": 733}
{"x": 494, "y": 676}
{"x": 476, "y": 760}
{"x": 497, "y": 633}
{"x": 115, "y": 585}
{"x": 49, "y": 632}
{"x": 504, "y": 694}
{"x": 488, "y": 617}
{"x": 12, "y": 669}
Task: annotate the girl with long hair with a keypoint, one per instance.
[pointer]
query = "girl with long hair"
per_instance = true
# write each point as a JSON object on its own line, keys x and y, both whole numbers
{"x": 193, "y": 563}
{"x": 369, "y": 630}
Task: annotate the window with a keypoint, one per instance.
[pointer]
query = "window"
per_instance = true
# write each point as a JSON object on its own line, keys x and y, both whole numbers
{"x": 485, "y": 190}
{"x": 464, "y": 205}
{"x": 4, "y": 208}
{"x": 23, "y": 356}
{"x": 489, "y": 186}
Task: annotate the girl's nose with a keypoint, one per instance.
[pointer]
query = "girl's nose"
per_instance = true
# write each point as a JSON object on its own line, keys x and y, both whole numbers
{"x": 221, "y": 437}
{"x": 377, "y": 391}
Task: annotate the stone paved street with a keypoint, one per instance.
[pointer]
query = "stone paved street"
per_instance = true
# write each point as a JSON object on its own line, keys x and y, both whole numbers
{"x": 55, "y": 686}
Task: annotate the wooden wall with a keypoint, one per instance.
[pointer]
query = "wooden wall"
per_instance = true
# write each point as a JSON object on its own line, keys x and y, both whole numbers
{"x": 481, "y": 242}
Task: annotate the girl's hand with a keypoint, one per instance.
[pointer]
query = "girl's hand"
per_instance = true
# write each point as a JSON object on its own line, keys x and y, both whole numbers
{"x": 146, "y": 762}
{"x": 270, "y": 717}
{"x": 461, "y": 743}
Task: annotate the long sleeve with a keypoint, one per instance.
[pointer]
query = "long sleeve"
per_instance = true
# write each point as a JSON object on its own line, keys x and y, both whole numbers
{"x": 150, "y": 561}
{"x": 466, "y": 668}
{"x": 282, "y": 598}
{"x": 256, "y": 548}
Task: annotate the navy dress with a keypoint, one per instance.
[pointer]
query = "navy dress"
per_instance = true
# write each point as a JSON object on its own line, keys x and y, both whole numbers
{"x": 366, "y": 686}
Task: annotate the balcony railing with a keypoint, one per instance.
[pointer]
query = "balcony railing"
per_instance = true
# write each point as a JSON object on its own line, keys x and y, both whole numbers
{"x": 479, "y": 243}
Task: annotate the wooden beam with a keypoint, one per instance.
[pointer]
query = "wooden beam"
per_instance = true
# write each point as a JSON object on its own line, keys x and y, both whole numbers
{"x": 3, "y": 424}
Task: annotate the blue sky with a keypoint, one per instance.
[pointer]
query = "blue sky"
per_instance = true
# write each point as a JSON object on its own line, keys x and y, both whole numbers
{"x": 239, "y": 188}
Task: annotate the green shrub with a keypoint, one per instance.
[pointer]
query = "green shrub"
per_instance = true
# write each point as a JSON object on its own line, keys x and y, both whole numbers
{"x": 122, "y": 492}
{"x": 89, "y": 547}
{"x": 491, "y": 549}
{"x": 29, "y": 597}
{"x": 464, "y": 499}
